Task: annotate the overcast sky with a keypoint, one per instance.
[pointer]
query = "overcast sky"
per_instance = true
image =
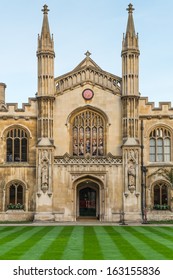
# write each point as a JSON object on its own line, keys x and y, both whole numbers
{"x": 81, "y": 25}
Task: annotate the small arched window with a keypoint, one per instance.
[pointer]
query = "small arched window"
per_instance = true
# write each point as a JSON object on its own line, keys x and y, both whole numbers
{"x": 160, "y": 145}
{"x": 161, "y": 194}
{"x": 88, "y": 134}
{"x": 16, "y": 145}
{"x": 16, "y": 194}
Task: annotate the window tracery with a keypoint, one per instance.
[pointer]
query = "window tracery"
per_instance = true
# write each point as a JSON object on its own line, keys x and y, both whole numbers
{"x": 160, "y": 145}
{"x": 88, "y": 130}
{"x": 15, "y": 195}
{"x": 16, "y": 145}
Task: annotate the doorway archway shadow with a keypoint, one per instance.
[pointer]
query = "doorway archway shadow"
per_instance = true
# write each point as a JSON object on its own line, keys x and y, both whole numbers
{"x": 88, "y": 201}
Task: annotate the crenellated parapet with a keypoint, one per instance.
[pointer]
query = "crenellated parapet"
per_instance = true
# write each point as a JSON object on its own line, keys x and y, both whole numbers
{"x": 13, "y": 110}
{"x": 149, "y": 110}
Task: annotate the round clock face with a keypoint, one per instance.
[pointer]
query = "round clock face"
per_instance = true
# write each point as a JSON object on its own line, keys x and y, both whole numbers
{"x": 88, "y": 94}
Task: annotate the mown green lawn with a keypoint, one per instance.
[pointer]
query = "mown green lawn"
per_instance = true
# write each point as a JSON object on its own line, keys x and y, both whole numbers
{"x": 86, "y": 243}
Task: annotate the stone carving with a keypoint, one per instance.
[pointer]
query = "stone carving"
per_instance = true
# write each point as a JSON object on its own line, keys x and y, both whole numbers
{"x": 131, "y": 176}
{"x": 44, "y": 178}
{"x": 71, "y": 160}
{"x": 44, "y": 171}
{"x": 133, "y": 155}
{"x": 89, "y": 73}
{"x": 131, "y": 168}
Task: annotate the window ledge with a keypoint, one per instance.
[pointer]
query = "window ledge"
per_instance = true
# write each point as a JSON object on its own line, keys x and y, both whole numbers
{"x": 16, "y": 163}
{"x": 155, "y": 164}
{"x": 15, "y": 211}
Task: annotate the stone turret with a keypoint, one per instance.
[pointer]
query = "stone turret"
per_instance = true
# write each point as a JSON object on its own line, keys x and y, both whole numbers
{"x": 46, "y": 88}
{"x": 130, "y": 80}
{"x": 130, "y": 121}
{"x": 45, "y": 99}
{"x": 46, "y": 55}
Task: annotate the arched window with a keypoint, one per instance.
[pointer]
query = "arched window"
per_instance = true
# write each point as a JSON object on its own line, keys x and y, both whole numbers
{"x": 88, "y": 134}
{"x": 161, "y": 194}
{"x": 17, "y": 145}
{"x": 160, "y": 145}
{"x": 15, "y": 195}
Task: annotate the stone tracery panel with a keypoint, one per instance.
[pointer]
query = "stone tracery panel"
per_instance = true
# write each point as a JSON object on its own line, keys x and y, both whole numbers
{"x": 88, "y": 130}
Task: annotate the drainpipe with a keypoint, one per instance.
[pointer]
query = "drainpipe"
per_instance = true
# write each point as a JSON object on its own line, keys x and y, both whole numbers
{"x": 142, "y": 171}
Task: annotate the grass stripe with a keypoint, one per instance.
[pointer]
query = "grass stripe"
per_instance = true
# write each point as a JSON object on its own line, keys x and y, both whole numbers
{"x": 43, "y": 241}
{"x": 10, "y": 236}
{"x": 166, "y": 230}
{"x": 154, "y": 241}
{"x": 141, "y": 244}
{"x": 74, "y": 248}
{"x": 86, "y": 242}
{"x": 17, "y": 251}
{"x": 91, "y": 250}
{"x": 127, "y": 249}
{"x": 57, "y": 247}
{"x": 7, "y": 231}
{"x": 109, "y": 249}
{"x": 2, "y": 229}
{"x": 161, "y": 233}
{"x": 25, "y": 233}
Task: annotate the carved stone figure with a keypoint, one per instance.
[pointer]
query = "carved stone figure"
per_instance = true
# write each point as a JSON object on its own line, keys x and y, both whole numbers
{"x": 44, "y": 178}
{"x": 131, "y": 176}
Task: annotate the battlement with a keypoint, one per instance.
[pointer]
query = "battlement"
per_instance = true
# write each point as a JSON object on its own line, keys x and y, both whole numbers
{"x": 13, "y": 108}
{"x": 148, "y": 109}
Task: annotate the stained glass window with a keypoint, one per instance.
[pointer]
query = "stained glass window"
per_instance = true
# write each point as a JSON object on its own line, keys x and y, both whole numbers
{"x": 88, "y": 134}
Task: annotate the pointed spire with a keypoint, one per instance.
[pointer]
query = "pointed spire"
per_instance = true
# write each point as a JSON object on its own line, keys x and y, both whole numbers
{"x": 45, "y": 27}
{"x": 130, "y": 24}
{"x": 45, "y": 41}
{"x": 130, "y": 40}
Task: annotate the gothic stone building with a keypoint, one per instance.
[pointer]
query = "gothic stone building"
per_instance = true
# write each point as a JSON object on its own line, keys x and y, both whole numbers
{"x": 88, "y": 145}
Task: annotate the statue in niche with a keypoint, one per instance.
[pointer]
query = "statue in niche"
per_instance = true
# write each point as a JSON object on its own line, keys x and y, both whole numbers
{"x": 131, "y": 176}
{"x": 44, "y": 178}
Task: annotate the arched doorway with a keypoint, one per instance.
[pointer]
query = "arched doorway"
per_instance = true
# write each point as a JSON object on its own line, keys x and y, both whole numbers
{"x": 88, "y": 199}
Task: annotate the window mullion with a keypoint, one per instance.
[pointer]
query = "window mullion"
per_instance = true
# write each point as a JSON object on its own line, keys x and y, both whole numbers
{"x": 160, "y": 195}
{"x": 15, "y": 194}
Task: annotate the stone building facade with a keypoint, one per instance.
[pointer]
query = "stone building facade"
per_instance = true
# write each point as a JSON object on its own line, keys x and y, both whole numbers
{"x": 88, "y": 145}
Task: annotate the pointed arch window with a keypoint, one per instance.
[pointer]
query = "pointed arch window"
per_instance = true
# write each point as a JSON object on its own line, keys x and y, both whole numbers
{"x": 88, "y": 134}
{"x": 160, "y": 194}
{"x": 16, "y": 193}
{"x": 16, "y": 145}
{"x": 160, "y": 145}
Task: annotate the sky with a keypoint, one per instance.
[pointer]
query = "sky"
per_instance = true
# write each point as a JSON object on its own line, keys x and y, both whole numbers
{"x": 78, "y": 26}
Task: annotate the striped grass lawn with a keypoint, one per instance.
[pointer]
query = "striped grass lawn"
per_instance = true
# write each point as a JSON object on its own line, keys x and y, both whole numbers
{"x": 86, "y": 243}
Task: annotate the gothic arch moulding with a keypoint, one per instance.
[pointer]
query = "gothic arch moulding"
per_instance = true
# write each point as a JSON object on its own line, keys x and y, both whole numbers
{"x": 155, "y": 126}
{"x": 17, "y": 181}
{"x": 77, "y": 179}
{"x": 83, "y": 108}
{"x": 17, "y": 126}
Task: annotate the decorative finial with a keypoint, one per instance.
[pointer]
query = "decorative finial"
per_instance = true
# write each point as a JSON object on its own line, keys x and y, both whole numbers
{"x": 45, "y": 10}
{"x": 130, "y": 8}
{"x": 87, "y": 54}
